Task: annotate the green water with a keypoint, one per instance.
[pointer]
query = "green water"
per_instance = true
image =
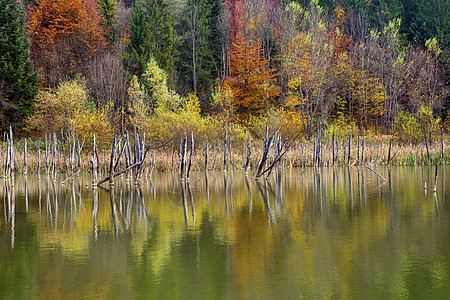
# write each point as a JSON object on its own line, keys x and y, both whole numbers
{"x": 298, "y": 235}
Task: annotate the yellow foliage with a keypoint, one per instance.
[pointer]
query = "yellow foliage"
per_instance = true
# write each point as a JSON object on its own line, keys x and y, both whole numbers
{"x": 53, "y": 110}
{"x": 407, "y": 127}
{"x": 137, "y": 106}
{"x": 223, "y": 99}
{"x": 86, "y": 124}
{"x": 192, "y": 105}
{"x": 155, "y": 83}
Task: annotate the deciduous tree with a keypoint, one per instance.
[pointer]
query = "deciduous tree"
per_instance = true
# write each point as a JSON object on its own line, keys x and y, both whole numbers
{"x": 65, "y": 34}
{"x": 250, "y": 79}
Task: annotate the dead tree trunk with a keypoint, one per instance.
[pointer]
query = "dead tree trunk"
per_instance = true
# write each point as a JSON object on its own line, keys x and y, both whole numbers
{"x": 111, "y": 163}
{"x": 225, "y": 149}
{"x": 183, "y": 149}
{"x": 25, "y": 167}
{"x": 249, "y": 152}
{"x": 206, "y": 154}
{"x": 190, "y": 155}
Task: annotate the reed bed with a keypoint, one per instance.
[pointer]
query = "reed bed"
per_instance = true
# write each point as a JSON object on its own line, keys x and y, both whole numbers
{"x": 301, "y": 154}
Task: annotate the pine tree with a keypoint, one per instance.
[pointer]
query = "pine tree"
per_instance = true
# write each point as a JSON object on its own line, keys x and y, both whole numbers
{"x": 107, "y": 8}
{"x": 436, "y": 19}
{"x": 152, "y": 35}
{"x": 17, "y": 78}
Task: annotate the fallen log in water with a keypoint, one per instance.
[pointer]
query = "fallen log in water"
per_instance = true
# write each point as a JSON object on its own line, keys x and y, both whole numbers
{"x": 368, "y": 168}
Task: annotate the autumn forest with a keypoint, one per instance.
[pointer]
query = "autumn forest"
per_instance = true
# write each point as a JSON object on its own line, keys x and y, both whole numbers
{"x": 104, "y": 66}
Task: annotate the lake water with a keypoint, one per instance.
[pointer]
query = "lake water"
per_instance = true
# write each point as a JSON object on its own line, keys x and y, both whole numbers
{"x": 325, "y": 233}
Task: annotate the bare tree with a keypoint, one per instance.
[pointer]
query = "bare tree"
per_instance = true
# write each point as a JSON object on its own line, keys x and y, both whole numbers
{"x": 106, "y": 80}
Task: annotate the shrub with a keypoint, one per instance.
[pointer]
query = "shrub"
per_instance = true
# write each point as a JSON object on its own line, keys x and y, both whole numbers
{"x": 54, "y": 110}
{"x": 407, "y": 127}
{"x": 87, "y": 123}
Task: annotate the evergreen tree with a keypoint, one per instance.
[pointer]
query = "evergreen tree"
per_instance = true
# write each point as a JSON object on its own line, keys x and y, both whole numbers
{"x": 194, "y": 50}
{"x": 138, "y": 50}
{"x": 215, "y": 38}
{"x": 436, "y": 19}
{"x": 107, "y": 8}
{"x": 152, "y": 35}
{"x": 17, "y": 78}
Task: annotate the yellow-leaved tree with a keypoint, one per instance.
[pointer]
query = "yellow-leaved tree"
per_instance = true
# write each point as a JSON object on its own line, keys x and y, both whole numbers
{"x": 68, "y": 108}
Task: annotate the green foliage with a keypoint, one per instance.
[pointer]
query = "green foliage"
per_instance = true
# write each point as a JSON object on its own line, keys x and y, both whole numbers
{"x": 193, "y": 50}
{"x": 154, "y": 82}
{"x": 107, "y": 7}
{"x": 152, "y": 34}
{"x": 137, "y": 105}
{"x": 433, "y": 46}
{"x": 407, "y": 127}
{"x": 428, "y": 122}
{"x": 436, "y": 20}
{"x": 342, "y": 124}
{"x": 215, "y": 37}
{"x": 17, "y": 78}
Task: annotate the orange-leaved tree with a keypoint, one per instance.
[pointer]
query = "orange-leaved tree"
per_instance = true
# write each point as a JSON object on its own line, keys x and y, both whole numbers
{"x": 340, "y": 41}
{"x": 64, "y": 35}
{"x": 250, "y": 80}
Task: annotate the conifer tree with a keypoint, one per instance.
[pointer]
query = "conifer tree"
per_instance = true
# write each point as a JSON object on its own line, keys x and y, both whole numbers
{"x": 152, "y": 35}
{"x": 17, "y": 78}
{"x": 107, "y": 8}
{"x": 215, "y": 38}
{"x": 194, "y": 50}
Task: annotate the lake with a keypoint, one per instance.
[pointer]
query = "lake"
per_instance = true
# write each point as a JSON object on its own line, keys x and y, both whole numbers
{"x": 300, "y": 234}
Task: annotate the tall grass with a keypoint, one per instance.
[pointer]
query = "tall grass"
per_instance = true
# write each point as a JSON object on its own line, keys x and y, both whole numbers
{"x": 301, "y": 154}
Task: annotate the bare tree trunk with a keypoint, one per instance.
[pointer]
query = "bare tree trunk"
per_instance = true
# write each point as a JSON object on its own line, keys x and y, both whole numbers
{"x": 363, "y": 146}
{"x": 25, "y": 167}
{"x": 190, "y": 155}
{"x": 183, "y": 148}
{"x": 94, "y": 162}
{"x": 39, "y": 159}
{"x": 426, "y": 145}
{"x": 333, "y": 153}
{"x": 12, "y": 151}
{"x": 249, "y": 152}
{"x": 111, "y": 163}
{"x": 389, "y": 152}
{"x": 225, "y": 149}
{"x": 206, "y": 155}
{"x": 349, "y": 146}
{"x": 442, "y": 146}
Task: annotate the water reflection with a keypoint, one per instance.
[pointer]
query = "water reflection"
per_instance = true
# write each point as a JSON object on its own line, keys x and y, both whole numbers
{"x": 311, "y": 233}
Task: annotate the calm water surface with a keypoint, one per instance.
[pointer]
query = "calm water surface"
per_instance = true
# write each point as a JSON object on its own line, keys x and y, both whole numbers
{"x": 313, "y": 234}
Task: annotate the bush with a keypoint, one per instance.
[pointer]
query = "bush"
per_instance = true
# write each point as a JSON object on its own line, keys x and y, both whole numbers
{"x": 407, "y": 127}
{"x": 86, "y": 124}
{"x": 54, "y": 110}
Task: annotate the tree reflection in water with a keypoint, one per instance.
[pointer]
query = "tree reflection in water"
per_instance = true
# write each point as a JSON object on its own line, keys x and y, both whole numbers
{"x": 321, "y": 233}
